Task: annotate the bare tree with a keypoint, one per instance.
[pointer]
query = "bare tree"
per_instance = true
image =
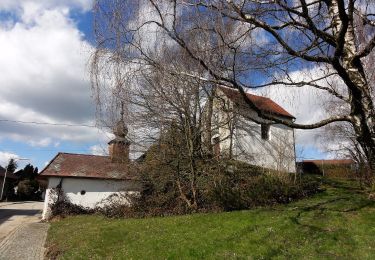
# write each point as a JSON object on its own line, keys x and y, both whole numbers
{"x": 170, "y": 107}
{"x": 236, "y": 42}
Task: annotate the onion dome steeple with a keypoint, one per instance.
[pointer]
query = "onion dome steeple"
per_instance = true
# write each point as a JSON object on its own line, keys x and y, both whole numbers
{"x": 119, "y": 146}
{"x": 120, "y": 129}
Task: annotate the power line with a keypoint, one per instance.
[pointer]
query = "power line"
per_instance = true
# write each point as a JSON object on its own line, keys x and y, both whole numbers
{"x": 44, "y": 123}
{"x": 37, "y": 149}
{"x": 93, "y": 126}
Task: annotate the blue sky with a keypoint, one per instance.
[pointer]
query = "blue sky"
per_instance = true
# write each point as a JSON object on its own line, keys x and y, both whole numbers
{"x": 45, "y": 47}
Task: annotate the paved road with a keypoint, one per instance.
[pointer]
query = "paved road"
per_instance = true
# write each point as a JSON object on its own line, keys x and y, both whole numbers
{"x": 22, "y": 236}
{"x": 13, "y": 214}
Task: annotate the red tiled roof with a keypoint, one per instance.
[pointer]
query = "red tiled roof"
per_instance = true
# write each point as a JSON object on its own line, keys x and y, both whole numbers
{"x": 263, "y": 103}
{"x": 88, "y": 166}
{"x": 333, "y": 161}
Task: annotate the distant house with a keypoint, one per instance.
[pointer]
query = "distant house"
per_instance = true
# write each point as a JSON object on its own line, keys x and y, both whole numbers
{"x": 10, "y": 181}
{"x": 91, "y": 180}
{"x": 239, "y": 133}
{"x": 329, "y": 167}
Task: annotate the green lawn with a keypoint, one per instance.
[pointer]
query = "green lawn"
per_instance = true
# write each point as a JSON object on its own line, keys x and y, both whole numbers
{"x": 336, "y": 224}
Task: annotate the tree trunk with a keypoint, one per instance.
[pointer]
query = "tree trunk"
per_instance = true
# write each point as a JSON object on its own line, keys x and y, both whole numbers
{"x": 350, "y": 68}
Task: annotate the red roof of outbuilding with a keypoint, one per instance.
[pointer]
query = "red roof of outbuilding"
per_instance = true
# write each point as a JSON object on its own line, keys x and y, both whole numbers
{"x": 333, "y": 161}
{"x": 262, "y": 103}
{"x": 88, "y": 166}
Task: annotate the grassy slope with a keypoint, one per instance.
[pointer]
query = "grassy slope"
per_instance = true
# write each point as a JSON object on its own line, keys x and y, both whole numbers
{"x": 338, "y": 223}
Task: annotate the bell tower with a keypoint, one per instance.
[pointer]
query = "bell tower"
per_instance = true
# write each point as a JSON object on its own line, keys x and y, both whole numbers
{"x": 119, "y": 146}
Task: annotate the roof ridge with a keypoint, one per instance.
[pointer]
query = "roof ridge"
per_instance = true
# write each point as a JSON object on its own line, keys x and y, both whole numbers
{"x": 263, "y": 103}
{"x": 82, "y": 154}
{"x": 58, "y": 153}
{"x": 340, "y": 159}
{"x": 88, "y": 166}
{"x": 247, "y": 93}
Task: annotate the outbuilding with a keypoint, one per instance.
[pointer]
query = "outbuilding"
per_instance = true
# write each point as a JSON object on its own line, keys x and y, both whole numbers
{"x": 91, "y": 180}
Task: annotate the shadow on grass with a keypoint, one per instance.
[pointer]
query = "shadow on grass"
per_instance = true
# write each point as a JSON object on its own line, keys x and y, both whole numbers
{"x": 343, "y": 197}
{"x": 345, "y": 185}
{"x": 346, "y": 198}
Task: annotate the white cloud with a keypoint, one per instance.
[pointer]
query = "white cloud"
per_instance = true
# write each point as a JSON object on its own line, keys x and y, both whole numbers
{"x": 5, "y": 157}
{"x": 98, "y": 150}
{"x": 43, "y": 142}
{"x": 12, "y": 5}
{"x": 44, "y": 74}
{"x": 307, "y": 104}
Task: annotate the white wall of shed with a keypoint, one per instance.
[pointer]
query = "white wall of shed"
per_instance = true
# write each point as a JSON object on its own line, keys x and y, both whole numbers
{"x": 96, "y": 191}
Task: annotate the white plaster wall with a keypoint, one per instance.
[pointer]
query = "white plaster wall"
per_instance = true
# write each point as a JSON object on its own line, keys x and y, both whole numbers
{"x": 97, "y": 191}
{"x": 276, "y": 153}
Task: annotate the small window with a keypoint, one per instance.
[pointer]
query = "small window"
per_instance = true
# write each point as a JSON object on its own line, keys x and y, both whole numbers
{"x": 265, "y": 129}
{"x": 83, "y": 192}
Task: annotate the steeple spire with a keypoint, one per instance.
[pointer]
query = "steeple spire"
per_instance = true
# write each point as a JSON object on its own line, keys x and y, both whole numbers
{"x": 122, "y": 110}
{"x": 119, "y": 146}
{"x": 121, "y": 130}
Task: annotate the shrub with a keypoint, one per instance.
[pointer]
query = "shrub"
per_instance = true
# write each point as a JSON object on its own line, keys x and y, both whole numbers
{"x": 221, "y": 185}
{"x": 28, "y": 190}
{"x": 63, "y": 207}
{"x": 237, "y": 193}
{"x": 159, "y": 197}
